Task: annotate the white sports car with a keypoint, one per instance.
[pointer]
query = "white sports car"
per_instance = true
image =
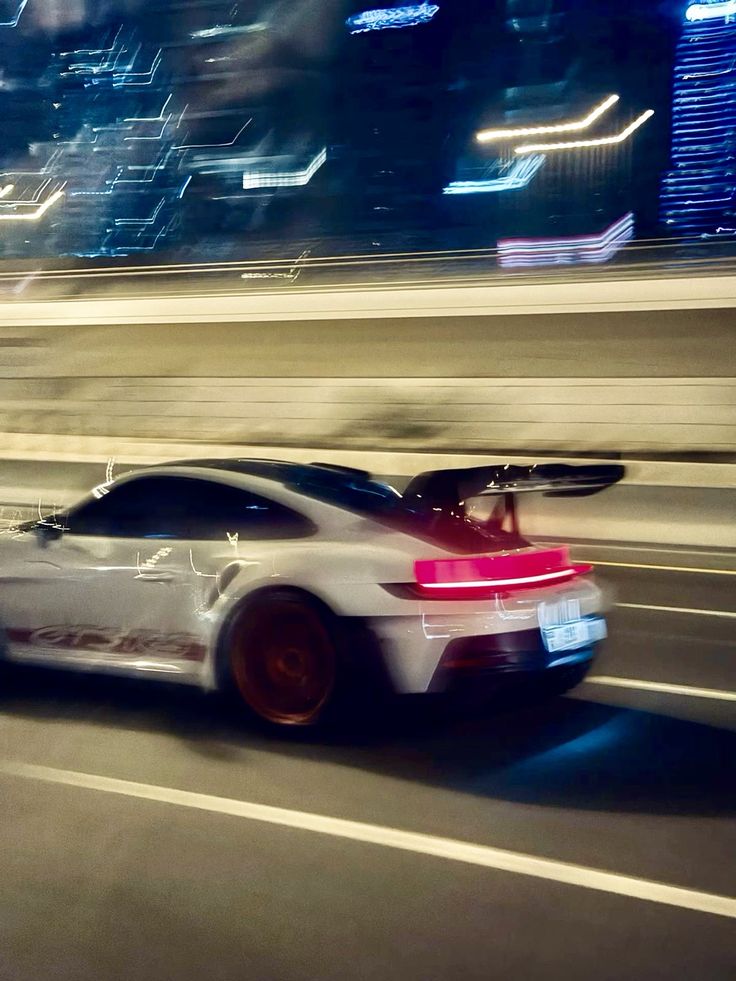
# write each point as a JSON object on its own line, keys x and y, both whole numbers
{"x": 300, "y": 585}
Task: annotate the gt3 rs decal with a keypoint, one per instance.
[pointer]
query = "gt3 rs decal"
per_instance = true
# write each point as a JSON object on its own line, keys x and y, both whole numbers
{"x": 107, "y": 641}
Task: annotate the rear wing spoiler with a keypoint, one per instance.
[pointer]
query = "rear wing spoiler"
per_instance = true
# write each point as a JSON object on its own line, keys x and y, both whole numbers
{"x": 447, "y": 489}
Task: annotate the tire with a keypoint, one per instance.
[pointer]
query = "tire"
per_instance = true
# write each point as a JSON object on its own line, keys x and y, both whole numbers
{"x": 282, "y": 657}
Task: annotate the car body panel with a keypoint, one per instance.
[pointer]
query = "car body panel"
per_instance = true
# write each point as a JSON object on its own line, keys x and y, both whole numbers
{"x": 156, "y": 606}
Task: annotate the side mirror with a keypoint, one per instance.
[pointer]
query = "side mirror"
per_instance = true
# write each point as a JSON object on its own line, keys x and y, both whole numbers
{"x": 46, "y": 533}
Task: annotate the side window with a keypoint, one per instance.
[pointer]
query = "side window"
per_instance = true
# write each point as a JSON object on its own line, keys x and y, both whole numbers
{"x": 119, "y": 513}
{"x": 130, "y": 510}
{"x": 209, "y": 510}
{"x": 186, "y": 508}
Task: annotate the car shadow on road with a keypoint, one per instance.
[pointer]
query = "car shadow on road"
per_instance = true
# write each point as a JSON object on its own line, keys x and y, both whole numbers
{"x": 565, "y": 752}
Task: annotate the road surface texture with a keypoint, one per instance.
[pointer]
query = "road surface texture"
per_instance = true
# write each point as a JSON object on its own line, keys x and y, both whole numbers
{"x": 150, "y": 833}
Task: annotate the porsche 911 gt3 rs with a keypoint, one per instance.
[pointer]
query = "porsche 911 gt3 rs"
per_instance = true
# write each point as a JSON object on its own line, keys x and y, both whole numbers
{"x": 295, "y": 585}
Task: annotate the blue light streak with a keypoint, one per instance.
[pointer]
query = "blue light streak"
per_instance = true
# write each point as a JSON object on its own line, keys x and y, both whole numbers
{"x": 13, "y": 22}
{"x": 392, "y": 17}
{"x": 519, "y": 176}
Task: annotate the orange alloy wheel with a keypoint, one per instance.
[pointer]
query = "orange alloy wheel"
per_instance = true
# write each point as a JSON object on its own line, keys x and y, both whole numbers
{"x": 283, "y": 661}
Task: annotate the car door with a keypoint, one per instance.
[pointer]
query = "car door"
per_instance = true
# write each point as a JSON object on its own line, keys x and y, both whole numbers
{"x": 116, "y": 589}
{"x": 129, "y": 583}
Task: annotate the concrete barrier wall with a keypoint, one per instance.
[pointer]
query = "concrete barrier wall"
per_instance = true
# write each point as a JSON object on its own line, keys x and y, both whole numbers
{"x": 628, "y": 368}
{"x": 471, "y": 415}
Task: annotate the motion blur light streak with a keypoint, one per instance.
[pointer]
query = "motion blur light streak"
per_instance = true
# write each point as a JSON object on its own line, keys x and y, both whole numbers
{"x": 143, "y": 221}
{"x": 228, "y": 30}
{"x": 38, "y": 213}
{"x": 488, "y": 135}
{"x": 215, "y": 146}
{"x": 152, "y": 119}
{"x": 13, "y": 22}
{"x": 711, "y": 11}
{"x": 5, "y": 191}
{"x": 144, "y": 139}
{"x": 24, "y": 200}
{"x": 518, "y": 253}
{"x": 122, "y": 79}
{"x": 519, "y": 176}
{"x": 393, "y": 17}
{"x": 584, "y": 144}
{"x": 296, "y": 178}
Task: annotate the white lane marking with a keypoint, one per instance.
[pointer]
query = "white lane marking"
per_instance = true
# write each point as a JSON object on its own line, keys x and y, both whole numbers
{"x": 662, "y": 549}
{"x": 677, "y": 609}
{"x": 603, "y": 679}
{"x": 410, "y": 841}
{"x": 667, "y": 568}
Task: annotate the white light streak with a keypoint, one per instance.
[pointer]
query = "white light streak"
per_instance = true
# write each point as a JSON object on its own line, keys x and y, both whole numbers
{"x": 152, "y": 119}
{"x": 143, "y": 139}
{"x": 25, "y": 201}
{"x": 214, "y": 146}
{"x": 93, "y": 51}
{"x": 195, "y": 570}
{"x": 5, "y": 191}
{"x": 711, "y": 11}
{"x": 585, "y": 144}
{"x": 227, "y": 30}
{"x": 294, "y": 178}
{"x": 39, "y": 212}
{"x": 142, "y": 221}
{"x": 13, "y": 22}
{"x": 518, "y": 177}
{"x": 574, "y": 126}
{"x": 120, "y": 80}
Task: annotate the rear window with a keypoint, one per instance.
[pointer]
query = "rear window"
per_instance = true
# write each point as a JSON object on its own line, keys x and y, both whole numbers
{"x": 445, "y": 525}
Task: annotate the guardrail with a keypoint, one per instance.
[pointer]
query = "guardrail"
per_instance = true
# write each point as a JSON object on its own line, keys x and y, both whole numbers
{"x": 334, "y": 265}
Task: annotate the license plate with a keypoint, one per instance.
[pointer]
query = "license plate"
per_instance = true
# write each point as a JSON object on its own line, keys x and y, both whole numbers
{"x": 564, "y": 629}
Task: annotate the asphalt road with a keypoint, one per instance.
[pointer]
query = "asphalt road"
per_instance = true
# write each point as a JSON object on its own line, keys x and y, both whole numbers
{"x": 132, "y": 844}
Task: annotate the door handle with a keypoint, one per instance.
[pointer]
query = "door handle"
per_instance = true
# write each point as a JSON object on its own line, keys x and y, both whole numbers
{"x": 162, "y": 576}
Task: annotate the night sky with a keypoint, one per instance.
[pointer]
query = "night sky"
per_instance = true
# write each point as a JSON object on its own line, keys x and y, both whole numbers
{"x": 397, "y": 111}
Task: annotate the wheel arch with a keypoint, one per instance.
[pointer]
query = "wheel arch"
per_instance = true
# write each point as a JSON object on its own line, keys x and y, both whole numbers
{"x": 250, "y": 600}
{"x": 358, "y": 646}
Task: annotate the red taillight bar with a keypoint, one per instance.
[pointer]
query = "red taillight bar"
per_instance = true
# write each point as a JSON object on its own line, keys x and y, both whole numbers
{"x": 492, "y": 574}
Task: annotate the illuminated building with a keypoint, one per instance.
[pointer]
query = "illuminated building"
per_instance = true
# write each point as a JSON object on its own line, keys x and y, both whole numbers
{"x": 699, "y": 190}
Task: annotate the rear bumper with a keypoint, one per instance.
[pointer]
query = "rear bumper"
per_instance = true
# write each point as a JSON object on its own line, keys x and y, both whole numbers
{"x": 481, "y": 664}
{"x": 422, "y": 655}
